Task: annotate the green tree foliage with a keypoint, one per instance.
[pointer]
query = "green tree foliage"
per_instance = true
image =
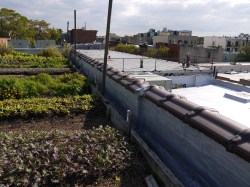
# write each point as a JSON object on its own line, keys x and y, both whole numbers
{"x": 127, "y": 49}
{"x": 16, "y": 26}
{"x": 40, "y": 28}
{"x": 244, "y": 55}
{"x": 55, "y": 34}
{"x": 162, "y": 52}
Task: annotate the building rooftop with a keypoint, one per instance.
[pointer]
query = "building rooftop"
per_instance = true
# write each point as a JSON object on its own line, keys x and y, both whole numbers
{"x": 227, "y": 101}
{"x": 131, "y": 63}
{"x": 230, "y": 103}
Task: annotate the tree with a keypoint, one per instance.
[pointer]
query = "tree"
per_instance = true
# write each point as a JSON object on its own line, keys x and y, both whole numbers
{"x": 14, "y": 25}
{"x": 41, "y": 29}
{"x": 55, "y": 34}
{"x": 244, "y": 55}
{"x": 162, "y": 52}
{"x": 127, "y": 49}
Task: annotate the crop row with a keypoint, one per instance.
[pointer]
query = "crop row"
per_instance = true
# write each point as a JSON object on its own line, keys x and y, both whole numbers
{"x": 31, "y": 61}
{"x": 34, "y": 71}
{"x": 59, "y": 158}
{"x": 43, "y": 85}
{"x": 45, "y": 107}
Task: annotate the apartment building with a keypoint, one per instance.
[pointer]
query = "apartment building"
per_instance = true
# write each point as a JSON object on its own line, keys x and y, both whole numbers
{"x": 182, "y": 37}
{"x": 228, "y": 43}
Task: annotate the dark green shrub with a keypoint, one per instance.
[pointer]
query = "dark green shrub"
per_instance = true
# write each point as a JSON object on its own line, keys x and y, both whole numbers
{"x": 243, "y": 55}
{"x": 66, "y": 50}
{"x": 51, "y": 52}
{"x": 33, "y": 89}
{"x": 5, "y": 49}
{"x": 43, "y": 78}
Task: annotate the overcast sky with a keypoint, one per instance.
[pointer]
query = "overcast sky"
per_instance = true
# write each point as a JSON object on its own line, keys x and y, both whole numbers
{"x": 203, "y": 17}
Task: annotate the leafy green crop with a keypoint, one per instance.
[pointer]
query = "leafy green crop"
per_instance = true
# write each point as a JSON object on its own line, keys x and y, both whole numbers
{"x": 59, "y": 158}
{"x": 43, "y": 85}
{"x": 45, "y": 107}
{"x": 23, "y": 60}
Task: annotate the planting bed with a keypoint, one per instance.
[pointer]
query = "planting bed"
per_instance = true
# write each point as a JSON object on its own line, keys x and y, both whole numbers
{"x": 34, "y": 71}
{"x": 69, "y": 151}
{"x": 52, "y": 133}
{"x": 31, "y": 61}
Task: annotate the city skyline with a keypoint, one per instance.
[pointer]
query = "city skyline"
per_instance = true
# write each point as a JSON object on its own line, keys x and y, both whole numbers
{"x": 203, "y": 18}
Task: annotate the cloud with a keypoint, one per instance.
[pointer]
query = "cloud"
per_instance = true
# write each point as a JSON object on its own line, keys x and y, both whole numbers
{"x": 206, "y": 17}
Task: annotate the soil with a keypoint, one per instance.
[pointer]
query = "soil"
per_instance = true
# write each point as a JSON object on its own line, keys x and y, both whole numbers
{"x": 134, "y": 174}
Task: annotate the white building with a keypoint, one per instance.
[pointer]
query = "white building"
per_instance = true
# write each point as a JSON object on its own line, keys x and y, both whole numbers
{"x": 172, "y": 39}
{"x": 229, "y": 44}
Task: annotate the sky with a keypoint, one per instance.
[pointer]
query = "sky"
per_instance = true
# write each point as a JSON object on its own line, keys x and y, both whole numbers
{"x": 129, "y": 17}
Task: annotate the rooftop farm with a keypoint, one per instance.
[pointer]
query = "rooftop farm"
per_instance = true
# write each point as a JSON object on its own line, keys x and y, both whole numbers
{"x": 53, "y": 131}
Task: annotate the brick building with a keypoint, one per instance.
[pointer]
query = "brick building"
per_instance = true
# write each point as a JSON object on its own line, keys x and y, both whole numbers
{"x": 83, "y": 36}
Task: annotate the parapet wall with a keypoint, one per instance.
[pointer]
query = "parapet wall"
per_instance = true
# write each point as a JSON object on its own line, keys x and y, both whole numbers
{"x": 200, "y": 146}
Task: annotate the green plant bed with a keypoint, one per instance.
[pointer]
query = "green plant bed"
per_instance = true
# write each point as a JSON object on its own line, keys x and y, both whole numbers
{"x": 45, "y": 107}
{"x": 62, "y": 158}
{"x": 16, "y": 59}
{"x": 31, "y": 61}
{"x": 34, "y": 71}
{"x": 43, "y": 85}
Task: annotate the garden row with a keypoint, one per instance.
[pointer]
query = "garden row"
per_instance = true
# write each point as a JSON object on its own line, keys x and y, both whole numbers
{"x": 59, "y": 158}
{"x": 49, "y": 58}
{"x": 43, "y": 85}
{"x": 45, "y": 107}
{"x": 78, "y": 155}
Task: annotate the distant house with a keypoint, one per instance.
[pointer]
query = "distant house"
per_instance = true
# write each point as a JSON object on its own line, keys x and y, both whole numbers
{"x": 229, "y": 44}
{"x": 82, "y": 36}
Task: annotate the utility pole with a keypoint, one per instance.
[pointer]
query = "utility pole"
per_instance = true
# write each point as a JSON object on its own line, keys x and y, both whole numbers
{"x": 67, "y": 32}
{"x": 75, "y": 36}
{"x": 106, "y": 47}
